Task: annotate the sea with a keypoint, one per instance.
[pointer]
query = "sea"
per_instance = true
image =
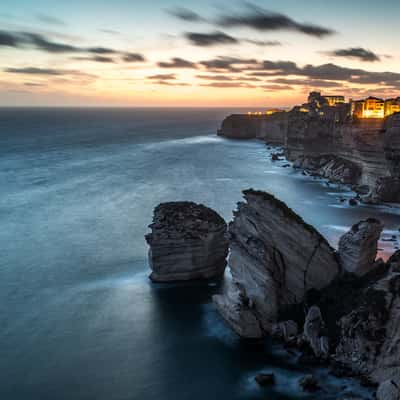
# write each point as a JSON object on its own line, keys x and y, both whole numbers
{"x": 79, "y": 318}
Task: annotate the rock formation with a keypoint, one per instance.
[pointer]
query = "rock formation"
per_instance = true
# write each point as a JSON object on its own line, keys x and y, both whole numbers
{"x": 314, "y": 327}
{"x": 285, "y": 275}
{"x": 358, "y": 247}
{"x": 187, "y": 241}
{"x": 370, "y": 334}
{"x": 275, "y": 259}
{"x": 388, "y": 390}
{"x": 328, "y": 142}
{"x": 268, "y": 127}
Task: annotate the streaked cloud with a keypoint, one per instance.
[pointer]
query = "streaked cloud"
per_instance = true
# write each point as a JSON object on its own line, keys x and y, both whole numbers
{"x": 358, "y": 53}
{"x": 210, "y": 39}
{"x": 49, "y": 19}
{"x": 177, "y": 62}
{"x": 263, "y": 20}
{"x": 185, "y": 14}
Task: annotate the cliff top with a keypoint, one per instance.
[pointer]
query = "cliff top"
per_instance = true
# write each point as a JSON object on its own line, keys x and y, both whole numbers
{"x": 183, "y": 217}
{"x": 287, "y": 211}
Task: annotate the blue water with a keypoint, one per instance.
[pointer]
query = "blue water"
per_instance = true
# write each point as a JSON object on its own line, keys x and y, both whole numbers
{"x": 79, "y": 318}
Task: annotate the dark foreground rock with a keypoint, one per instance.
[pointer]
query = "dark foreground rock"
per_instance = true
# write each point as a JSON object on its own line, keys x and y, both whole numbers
{"x": 308, "y": 383}
{"x": 285, "y": 276}
{"x": 275, "y": 259}
{"x": 187, "y": 241}
{"x": 265, "y": 379}
{"x": 358, "y": 247}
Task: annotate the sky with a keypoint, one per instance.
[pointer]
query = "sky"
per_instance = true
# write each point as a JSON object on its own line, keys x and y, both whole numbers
{"x": 170, "y": 53}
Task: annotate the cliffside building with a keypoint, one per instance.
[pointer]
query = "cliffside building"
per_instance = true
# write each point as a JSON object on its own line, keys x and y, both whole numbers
{"x": 319, "y": 100}
{"x": 374, "y": 107}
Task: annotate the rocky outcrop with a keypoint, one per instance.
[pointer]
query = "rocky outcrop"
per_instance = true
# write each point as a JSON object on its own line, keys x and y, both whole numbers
{"x": 328, "y": 166}
{"x": 326, "y": 141}
{"x": 388, "y": 390}
{"x": 243, "y": 126}
{"x": 359, "y": 246}
{"x": 370, "y": 334}
{"x": 314, "y": 328}
{"x": 240, "y": 126}
{"x": 275, "y": 259}
{"x": 187, "y": 241}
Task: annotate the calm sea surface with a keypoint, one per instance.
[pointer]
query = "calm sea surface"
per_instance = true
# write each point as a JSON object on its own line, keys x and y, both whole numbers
{"x": 79, "y": 318}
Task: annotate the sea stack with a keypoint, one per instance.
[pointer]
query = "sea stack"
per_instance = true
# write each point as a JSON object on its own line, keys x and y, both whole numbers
{"x": 275, "y": 259}
{"x": 359, "y": 246}
{"x": 187, "y": 241}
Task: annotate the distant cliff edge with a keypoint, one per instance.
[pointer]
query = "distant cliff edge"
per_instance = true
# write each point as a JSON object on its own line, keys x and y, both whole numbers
{"x": 328, "y": 141}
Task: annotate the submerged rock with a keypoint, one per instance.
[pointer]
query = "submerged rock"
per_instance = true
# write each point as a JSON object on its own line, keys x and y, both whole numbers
{"x": 358, "y": 247}
{"x": 308, "y": 383}
{"x": 265, "y": 379}
{"x": 187, "y": 241}
{"x": 275, "y": 259}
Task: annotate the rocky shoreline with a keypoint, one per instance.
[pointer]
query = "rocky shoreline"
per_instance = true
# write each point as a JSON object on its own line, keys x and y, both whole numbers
{"x": 338, "y": 308}
{"x": 327, "y": 141}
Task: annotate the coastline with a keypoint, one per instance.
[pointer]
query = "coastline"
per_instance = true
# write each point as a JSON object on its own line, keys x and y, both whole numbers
{"x": 328, "y": 142}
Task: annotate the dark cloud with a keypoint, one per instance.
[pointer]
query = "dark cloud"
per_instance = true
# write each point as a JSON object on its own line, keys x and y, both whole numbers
{"x": 276, "y": 87}
{"x": 216, "y": 77}
{"x": 186, "y": 14}
{"x": 9, "y": 39}
{"x": 307, "y": 82}
{"x": 263, "y": 43}
{"x": 42, "y": 43}
{"x": 51, "y": 72}
{"x": 355, "y": 52}
{"x": 35, "y": 71}
{"x": 228, "y": 85}
{"x": 227, "y": 78}
{"x": 101, "y": 50}
{"x": 210, "y": 39}
{"x": 264, "y": 20}
{"x": 177, "y": 63}
{"x": 98, "y": 58}
{"x": 232, "y": 64}
{"x": 48, "y": 19}
{"x": 33, "y": 84}
{"x": 166, "y": 80}
{"x": 169, "y": 83}
{"x": 133, "y": 57}
{"x": 164, "y": 77}
{"x": 330, "y": 72}
{"x": 288, "y": 67}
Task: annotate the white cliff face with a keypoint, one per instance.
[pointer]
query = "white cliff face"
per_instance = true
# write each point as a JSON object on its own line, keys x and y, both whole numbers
{"x": 359, "y": 246}
{"x": 275, "y": 259}
{"x": 187, "y": 241}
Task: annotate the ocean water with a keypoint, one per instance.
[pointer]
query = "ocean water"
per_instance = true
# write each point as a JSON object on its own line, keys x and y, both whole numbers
{"x": 79, "y": 318}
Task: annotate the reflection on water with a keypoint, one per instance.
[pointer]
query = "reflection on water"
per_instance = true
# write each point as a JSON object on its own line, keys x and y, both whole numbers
{"x": 79, "y": 318}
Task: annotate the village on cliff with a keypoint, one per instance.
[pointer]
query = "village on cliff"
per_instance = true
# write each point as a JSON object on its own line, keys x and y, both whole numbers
{"x": 355, "y": 143}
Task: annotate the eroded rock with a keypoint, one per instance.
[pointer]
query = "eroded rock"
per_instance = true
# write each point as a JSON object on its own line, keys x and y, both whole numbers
{"x": 358, "y": 247}
{"x": 275, "y": 259}
{"x": 187, "y": 241}
{"x": 388, "y": 390}
{"x": 314, "y": 335}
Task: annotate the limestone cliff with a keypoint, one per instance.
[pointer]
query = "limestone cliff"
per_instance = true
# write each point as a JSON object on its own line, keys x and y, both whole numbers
{"x": 187, "y": 241}
{"x": 362, "y": 152}
{"x": 268, "y": 127}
